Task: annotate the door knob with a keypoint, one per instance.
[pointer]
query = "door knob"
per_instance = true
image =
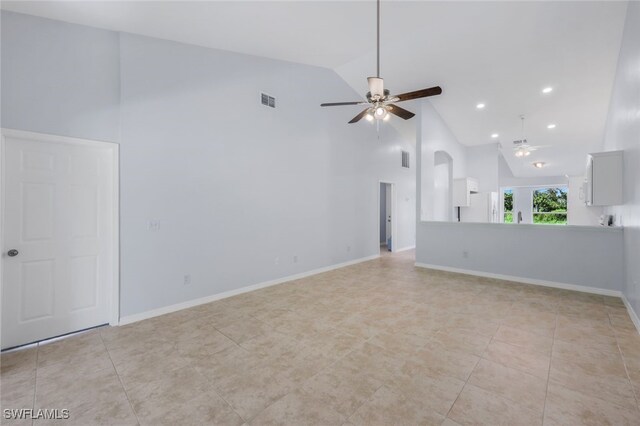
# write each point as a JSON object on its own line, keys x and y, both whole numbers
{"x": 13, "y": 252}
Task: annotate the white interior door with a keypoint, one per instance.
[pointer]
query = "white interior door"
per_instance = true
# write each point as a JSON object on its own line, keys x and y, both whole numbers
{"x": 389, "y": 212}
{"x": 60, "y": 234}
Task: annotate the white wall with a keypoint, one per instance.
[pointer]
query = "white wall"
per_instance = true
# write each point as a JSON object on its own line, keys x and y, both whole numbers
{"x": 482, "y": 164}
{"x": 442, "y": 196}
{"x": 59, "y": 79}
{"x": 623, "y": 132}
{"x": 235, "y": 185}
{"x": 507, "y": 180}
{"x": 434, "y": 135}
{"x": 582, "y": 256}
{"x": 578, "y": 213}
{"x": 575, "y": 257}
{"x": 523, "y": 202}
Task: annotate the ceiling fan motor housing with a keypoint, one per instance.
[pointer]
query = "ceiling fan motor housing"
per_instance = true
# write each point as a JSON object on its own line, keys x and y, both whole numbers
{"x": 370, "y": 97}
{"x": 376, "y": 87}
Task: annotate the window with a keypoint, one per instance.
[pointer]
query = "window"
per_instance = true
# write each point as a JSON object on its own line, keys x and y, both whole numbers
{"x": 550, "y": 206}
{"x": 508, "y": 205}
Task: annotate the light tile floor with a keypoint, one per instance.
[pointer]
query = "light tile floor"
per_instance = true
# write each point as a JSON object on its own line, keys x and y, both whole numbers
{"x": 378, "y": 343}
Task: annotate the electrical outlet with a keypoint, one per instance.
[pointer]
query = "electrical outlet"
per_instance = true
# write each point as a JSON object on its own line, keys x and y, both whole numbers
{"x": 465, "y": 254}
{"x": 295, "y": 259}
{"x": 187, "y": 279}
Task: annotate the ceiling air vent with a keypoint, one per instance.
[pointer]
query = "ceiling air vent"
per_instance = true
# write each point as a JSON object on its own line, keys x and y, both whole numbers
{"x": 405, "y": 159}
{"x": 267, "y": 100}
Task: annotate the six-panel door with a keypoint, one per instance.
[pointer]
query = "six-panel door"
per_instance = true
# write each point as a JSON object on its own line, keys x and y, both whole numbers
{"x": 59, "y": 217}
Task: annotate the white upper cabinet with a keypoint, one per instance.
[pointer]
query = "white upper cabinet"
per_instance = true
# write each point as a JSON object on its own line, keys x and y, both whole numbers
{"x": 462, "y": 190}
{"x": 604, "y": 179}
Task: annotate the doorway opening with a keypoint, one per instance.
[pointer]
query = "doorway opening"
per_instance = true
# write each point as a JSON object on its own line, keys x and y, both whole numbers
{"x": 386, "y": 206}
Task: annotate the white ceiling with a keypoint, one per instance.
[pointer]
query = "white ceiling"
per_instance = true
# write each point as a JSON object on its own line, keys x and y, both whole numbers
{"x": 499, "y": 53}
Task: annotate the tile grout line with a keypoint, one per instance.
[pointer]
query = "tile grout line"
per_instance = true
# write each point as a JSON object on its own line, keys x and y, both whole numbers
{"x": 626, "y": 368}
{"x": 546, "y": 393}
{"x": 126, "y": 394}
{"x": 35, "y": 381}
{"x": 383, "y": 346}
{"x": 624, "y": 361}
{"x": 597, "y": 397}
{"x": 213, "y": 388}
{"x": 298, "y": 387}
{"x": 469, "y": 377}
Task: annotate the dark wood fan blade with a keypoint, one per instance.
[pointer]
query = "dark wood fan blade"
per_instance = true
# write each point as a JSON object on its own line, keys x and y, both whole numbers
{"x": 400, "y": 112}
{"x": 343, "y": 103}
{"x": 432, "y": 91}
{"x": 359, "y": 116}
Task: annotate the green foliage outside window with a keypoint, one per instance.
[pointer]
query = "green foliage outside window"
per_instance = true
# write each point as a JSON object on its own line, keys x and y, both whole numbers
{"x": 549, "y": 206}
{"x": 508, "y": 206}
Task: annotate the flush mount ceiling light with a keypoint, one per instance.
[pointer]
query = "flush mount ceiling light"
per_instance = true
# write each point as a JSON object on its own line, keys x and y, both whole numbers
{"x": 538, "y": 164}
{"x": 480, "y": 106}
{"x": 551, "y": 126}
{"x": 379, "y": 99}
{"x": 494, "y": 135}
{"x": 547, "y": 90}
{"x": 522, "y": 152}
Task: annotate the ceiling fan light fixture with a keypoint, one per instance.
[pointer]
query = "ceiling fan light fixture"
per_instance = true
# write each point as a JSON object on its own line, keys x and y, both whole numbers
{"x": 381, "y": 104}
{"x": 380, "y": 112}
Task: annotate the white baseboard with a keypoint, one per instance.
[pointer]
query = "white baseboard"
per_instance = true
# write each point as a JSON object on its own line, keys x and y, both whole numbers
{"x": 544, "y": 283}
{"x": 632, "y": 313}
{"x": 405, "y": 249}
{"x": 212, "y": 298}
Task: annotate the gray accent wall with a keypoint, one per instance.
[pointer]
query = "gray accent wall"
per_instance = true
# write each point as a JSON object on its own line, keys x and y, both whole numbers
{"x": 59, "y": 78}
{"x": 583, "y": 256}
{"x": 244, "y": 193}
{"x": 622, "y": 132}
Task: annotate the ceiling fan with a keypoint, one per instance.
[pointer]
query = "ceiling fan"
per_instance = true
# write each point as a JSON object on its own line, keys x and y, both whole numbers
{"x": 379, "y": 100}
{"x": 521, "y": 147}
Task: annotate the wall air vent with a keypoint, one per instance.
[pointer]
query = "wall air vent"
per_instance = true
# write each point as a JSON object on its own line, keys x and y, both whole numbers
{"x": 267, "y": 100}
{"x": 405, "y": 159}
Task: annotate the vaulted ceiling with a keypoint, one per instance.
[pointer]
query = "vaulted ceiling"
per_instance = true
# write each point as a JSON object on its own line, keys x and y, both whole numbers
{"x": 501, "y": 54}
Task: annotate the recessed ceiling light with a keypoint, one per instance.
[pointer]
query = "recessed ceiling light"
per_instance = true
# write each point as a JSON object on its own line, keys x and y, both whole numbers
{"x": 551, "y": 126}
{"x": 480, "y": 106}
{"x": 547, "y": 90}
{"x": 538, "y": 164}
{"x": 494, "y": 135}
